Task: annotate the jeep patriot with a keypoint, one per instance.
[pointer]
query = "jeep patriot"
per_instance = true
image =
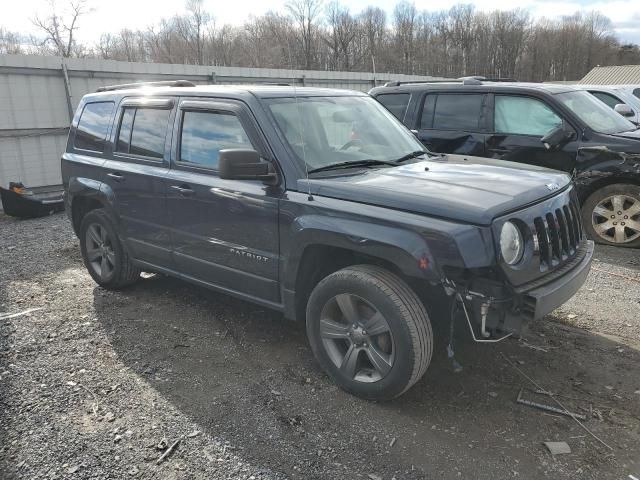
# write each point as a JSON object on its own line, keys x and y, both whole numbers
{"x": 320, "y": 204}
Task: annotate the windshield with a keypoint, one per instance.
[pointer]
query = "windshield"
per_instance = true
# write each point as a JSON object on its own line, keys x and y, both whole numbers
{"x": 594, "y": 113}
{"x": 330, "y": 130}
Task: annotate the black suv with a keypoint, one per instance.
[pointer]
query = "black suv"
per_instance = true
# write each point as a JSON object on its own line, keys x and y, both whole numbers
{"x": 322, "y": 205}
{"x": 554, "y": 126}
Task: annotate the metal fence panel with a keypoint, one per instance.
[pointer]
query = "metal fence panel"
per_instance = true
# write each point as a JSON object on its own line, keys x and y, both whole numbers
{"x": 34, "y": 110}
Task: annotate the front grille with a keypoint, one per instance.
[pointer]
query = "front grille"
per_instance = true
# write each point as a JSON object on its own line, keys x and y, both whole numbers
{"x": 558, "y": 234}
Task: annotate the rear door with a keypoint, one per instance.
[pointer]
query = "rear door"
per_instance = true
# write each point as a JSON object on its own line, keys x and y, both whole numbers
{"x": 135, "y": 173}
{"x": 519, "y": 122}
{"x": 224, "y": 232}
{"x": 453, "y": 123}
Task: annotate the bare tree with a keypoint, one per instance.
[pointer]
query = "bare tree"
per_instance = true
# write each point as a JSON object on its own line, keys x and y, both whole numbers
{"x": 10, "y": 42}
{"x": 60, "y": 28}
{"x": 305, "y": 13}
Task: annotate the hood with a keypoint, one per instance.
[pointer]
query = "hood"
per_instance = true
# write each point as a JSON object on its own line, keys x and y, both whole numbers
{"x": 467, "y": 189}
{"x": 632, "y": 134}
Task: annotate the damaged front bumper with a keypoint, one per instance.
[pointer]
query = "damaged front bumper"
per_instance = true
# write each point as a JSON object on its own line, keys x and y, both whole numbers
{"x": 540, "y": 300}
{"x": 495, "y": 311}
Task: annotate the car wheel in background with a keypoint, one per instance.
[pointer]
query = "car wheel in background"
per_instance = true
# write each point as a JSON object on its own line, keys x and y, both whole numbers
{"x": 104, "y": 256}
{"x": 369, "y": 331}
{"x": 611, "y": 215}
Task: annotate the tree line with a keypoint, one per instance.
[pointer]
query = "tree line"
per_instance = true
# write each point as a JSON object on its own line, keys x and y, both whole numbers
{"x": 316, "y": 34}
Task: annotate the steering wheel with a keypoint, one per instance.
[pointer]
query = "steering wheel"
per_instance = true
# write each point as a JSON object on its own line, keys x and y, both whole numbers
{"x": 351, "y": 143}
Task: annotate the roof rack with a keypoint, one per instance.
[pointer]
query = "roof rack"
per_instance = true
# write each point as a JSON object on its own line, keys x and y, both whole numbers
{"x": 472, "y": 80}
{"x": 166, "y": 83}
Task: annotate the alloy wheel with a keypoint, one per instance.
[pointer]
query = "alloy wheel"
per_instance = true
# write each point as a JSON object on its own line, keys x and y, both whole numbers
{"x": 616, "y": 219}
{"x": 100, "y": 252}
{"x": 357, "y": 338}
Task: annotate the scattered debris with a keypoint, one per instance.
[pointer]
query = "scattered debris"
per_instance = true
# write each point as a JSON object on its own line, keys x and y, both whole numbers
{"x": 548, "y": 408}
{"x": 492, "y": 394}
{"x": 373, "y": 476}
{"x": 276, "y": 393}
{"x": 571, "y": 316}
{"x": 393, "y": 442}
{"x": 19, "y": 314}
{"x": 558, "y": 448}
{"x": 557, "y": 401}
{"x": 195, "y": 433}
{"x": 169, "y": 450}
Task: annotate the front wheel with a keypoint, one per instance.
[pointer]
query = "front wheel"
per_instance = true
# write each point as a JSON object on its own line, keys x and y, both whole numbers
{"x": 369, "y": 331}
{"x": 611, "y": 215}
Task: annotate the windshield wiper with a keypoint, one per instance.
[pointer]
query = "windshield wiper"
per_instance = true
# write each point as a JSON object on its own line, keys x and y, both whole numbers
{"x": 409, "y": 156}
{"x": 352, "y": 164}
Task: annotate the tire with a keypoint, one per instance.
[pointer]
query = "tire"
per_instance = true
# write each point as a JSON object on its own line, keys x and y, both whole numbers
{"x": 100, "y": 243}
{"x": 599, "y": 212}
{"x": 402, "y": 349}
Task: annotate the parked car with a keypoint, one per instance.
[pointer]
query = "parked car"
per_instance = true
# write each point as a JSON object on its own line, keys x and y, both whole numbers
{"x": 320, "y": 204}
{"x": 554, "y": 126}
{"x": 624, "y": 99}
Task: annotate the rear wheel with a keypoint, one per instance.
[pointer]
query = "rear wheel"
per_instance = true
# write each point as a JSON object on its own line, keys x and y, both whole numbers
{"x": 104, "y": 256}
{"x": 611, "y": 215}
{"x": 369, "y": 331}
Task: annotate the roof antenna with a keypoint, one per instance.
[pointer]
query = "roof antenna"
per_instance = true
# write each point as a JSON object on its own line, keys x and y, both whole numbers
{"x": 295, "y": 96}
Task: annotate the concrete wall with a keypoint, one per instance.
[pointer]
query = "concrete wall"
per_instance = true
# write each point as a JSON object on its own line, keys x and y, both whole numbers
{"x": 35, "y": 108}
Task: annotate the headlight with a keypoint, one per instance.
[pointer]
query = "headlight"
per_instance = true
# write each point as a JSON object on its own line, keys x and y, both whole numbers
{"x": 511, "y": 243}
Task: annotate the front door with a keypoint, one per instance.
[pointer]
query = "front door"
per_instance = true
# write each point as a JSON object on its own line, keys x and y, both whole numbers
{"x": 224, "y": 232}
{"x": 519, "y": 123}
{"x": 453, "y": 123}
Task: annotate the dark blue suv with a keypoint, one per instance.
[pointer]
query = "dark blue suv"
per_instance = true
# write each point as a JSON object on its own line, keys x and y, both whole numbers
{"x": 322, "y": 205}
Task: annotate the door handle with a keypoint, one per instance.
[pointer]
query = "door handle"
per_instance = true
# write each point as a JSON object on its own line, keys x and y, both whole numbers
{"x": 118, "y": 177}
{"x": 183, "y": 190}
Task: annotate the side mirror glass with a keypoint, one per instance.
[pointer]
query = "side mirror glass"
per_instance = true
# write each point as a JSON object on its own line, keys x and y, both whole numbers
{"x": 557, "y": 137}
{"x": 241, "y": 164}
{"x": 624, "y": 110}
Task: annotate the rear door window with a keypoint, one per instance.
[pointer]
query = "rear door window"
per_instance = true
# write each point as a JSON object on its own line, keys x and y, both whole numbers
{"x": 457, "y": 112}
{"x": 143, "y": 131}
{"x": 93, "y": 126}
{"x": 396, "y": 103}
{"x": 204, "y": 134}
{"x": 523, "y": 116}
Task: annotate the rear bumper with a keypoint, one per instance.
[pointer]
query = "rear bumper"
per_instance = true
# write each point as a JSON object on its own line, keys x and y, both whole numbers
{"x": 546, "y": 298}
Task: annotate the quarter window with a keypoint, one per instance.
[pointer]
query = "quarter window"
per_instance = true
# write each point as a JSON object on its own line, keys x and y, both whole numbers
{"x": 523, "y": 116}
{"x": 93, "y": 126}
{"x": 457, "y": 112}
{"x": 636, "y": 92}
{"x": 396, "y": 103}
{"x": 204, "y": 134}
{"x": 142, "y": 131}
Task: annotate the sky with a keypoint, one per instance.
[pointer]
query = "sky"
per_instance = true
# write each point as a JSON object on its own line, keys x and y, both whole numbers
{"x": 114, "y": 15}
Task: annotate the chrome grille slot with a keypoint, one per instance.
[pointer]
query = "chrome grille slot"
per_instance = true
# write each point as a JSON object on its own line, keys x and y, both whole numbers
{"x": 573, "y": 227}
{"x": 567, "y": 249}
{"x": 554, "y": 235}
{"x": 543, "y": 240}
{"x": 559, "y": 234}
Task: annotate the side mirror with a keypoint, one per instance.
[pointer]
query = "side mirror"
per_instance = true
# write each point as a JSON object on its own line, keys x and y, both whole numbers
{"x": 624, "y": 110}
{"x": 241, "y": 164}
{"x": 558, "y": 136}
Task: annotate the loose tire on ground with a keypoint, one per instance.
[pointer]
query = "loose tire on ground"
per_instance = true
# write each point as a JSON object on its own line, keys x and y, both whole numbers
{"x": 611, "y": 215}
{"x": 99, "y": 243}
{"x": 388, "y": 359}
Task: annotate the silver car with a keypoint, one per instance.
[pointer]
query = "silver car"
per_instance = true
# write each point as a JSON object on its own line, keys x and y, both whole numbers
{"x": 624, "y": 99}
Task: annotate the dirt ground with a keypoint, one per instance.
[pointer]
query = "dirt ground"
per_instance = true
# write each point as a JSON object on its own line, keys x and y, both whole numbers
{"x": 97, "y": 384}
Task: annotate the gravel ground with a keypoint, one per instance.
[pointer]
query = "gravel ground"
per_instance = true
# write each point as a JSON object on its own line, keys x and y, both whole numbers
{"x": 96, "y": 384}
